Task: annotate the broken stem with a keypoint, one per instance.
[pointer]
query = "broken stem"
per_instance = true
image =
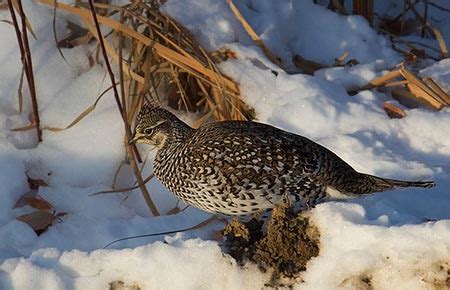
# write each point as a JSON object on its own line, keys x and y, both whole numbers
{"x": 25, "y": 55}
{"x": 139, "y": 179}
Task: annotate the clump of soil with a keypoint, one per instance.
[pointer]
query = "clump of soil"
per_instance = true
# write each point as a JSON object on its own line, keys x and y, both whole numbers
{"x": 289, "y": 242}
{"x": 120, "y": 285}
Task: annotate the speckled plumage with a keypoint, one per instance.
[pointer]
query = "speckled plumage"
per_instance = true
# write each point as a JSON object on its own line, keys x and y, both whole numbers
{"x": 240, "y": 168}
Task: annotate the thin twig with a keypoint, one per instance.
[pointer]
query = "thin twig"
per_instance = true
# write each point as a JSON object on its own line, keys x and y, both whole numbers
{"x": 199, "y": 225}
{"x": 418, "y": 16}
{"x": 425, "y": 18}
{"x": 147, "y": 179}
{"x": 144, "y": 190}
{"x": 439, "y": 7}
{"x": 25, "y": 56}
{"x": 122, "y": 86}
{"x": 29, "y": 71}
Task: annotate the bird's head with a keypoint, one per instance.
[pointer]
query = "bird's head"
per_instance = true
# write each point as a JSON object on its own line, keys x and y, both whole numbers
{"x": 155, "y": 126}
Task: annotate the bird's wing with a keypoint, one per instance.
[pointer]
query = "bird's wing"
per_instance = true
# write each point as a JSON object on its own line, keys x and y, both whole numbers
{"x": 254, "y": 151}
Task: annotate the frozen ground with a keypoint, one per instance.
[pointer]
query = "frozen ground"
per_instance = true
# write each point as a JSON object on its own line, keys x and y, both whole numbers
{"x": 392, "y": 240}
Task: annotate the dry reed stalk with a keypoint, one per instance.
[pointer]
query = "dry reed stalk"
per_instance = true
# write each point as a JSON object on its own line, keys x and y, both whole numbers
{"x": 437, "y": 89}
{"x": 421, "y": 90}
{"x": 137, "y": 173}
{"x": 423, "y": 97}
{"x": 383, "y": 79}
{"x": 425, "y": 23}
{"x": 425, "y": 90}
{"x": 165, "y": 44}
{"x": 270, "y": 55}
{"x": 424, "y": 18}
{"x": 25, "y": 53}
{"x": 396, "y": 83}
{"x": 158, "y": 58}
{"x": 440, "y": 40}
{"x": 364, "y": 8}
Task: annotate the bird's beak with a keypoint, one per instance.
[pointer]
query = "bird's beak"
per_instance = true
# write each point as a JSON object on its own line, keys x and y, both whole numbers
{"x": 135, "y": 138}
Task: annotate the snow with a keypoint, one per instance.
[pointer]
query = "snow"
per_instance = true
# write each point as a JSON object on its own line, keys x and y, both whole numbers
{"x": 401, "y": 256}
{"x": 440, "y": 73}
{"x": 286, "y": 27}
{"x": 170, "y": 266}
{"x": 395, "y": 239}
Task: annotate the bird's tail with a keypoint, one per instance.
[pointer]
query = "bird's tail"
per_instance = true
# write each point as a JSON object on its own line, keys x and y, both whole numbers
{"x": 381, "y": 184}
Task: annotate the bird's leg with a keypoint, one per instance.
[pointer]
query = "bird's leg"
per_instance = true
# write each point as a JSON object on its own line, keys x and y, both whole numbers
{"x": 217, "y": 235}
{"x": 305, "y": 206}
{"x": 257, "y": 215}
{"x": 286, "y": 199}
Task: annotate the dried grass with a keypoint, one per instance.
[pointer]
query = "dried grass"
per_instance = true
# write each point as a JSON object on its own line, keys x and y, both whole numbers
{"x": 162, "y": 56}
{"x": 398, "y": 26}
{"x": 157, "y": 58}
{"x": 424, "y": 90}
{"x": 270, "y": 55}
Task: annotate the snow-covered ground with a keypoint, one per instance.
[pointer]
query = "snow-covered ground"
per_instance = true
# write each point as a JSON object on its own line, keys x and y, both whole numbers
{"x": 390, "y": 240}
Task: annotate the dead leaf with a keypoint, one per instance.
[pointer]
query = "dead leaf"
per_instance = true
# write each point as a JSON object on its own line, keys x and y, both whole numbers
{"x": 77, "y": 36}
{"x": 35, "y": 183}
{"x": 393, "y": 111}
{"x": 38, "y": 202}
{"x": 39, "y": 221}
{"x": 21, "y": 202}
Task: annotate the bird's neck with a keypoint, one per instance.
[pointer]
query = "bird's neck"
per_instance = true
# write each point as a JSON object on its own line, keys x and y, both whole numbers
{"x": 168, "y": 153}
{"x": 178, "y": 133}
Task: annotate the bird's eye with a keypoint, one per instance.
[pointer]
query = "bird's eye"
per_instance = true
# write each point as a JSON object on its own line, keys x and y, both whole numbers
{"x": 148, "y": 131}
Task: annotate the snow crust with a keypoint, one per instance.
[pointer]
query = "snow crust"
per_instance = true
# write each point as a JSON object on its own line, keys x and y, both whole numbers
{"x": 395, "y": 240}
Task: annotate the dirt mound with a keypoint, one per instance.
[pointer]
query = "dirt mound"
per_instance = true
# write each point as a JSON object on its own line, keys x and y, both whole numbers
{"x": 287, "y": 245}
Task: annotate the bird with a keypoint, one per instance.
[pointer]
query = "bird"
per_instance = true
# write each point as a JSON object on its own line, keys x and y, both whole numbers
{"x": 241, "y": 168}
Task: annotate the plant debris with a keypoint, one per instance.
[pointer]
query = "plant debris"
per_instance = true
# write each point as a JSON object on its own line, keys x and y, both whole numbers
{"x": 287, "y": 245}
{"x": 424, "y": 91}
{"x": 39, "y": 221}
{"x": 120, "y": 285}
{"x": 77, "y": 36}
{"x": 45, "y": 214}
{"x": 393, "y": 111}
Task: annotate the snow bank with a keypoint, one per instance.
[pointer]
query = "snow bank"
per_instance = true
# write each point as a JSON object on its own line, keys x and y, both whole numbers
{"x": 359, "y": 252}
{"x": 191, "y": 264}
{"x": 286, "y": 27}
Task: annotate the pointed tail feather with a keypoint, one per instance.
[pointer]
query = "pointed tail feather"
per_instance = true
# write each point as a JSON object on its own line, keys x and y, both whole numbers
{"x": 380, "y": 184}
